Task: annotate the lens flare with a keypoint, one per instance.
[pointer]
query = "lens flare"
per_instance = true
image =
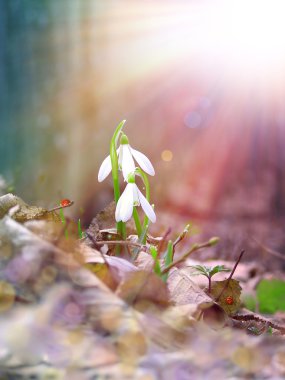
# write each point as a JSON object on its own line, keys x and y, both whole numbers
{"x": 166, "y": 155}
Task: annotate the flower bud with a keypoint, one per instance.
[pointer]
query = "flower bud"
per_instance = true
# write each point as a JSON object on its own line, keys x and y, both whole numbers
{"x": 214, "y": 240}
{"x": 124, "y": 140}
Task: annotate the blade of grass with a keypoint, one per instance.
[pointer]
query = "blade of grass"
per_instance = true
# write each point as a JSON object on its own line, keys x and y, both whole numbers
{"x": 154, "y": 254}
{"x": 168, "y": 259}
{"x": 80, "y": 233}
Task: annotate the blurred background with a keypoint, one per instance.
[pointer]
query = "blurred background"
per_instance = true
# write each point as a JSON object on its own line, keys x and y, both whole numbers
{"x": 201, "y": 84}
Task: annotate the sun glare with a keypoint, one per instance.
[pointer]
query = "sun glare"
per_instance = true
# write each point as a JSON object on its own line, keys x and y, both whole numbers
{"x": 244, "y": 35}
{"x": 257, "y": 30}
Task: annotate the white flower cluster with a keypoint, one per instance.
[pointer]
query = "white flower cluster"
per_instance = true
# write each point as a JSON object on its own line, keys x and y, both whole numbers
{"x": 131, "y": 196}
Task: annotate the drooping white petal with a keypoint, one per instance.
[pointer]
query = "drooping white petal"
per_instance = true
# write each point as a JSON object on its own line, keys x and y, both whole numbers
{"x": 147, "y": 207}
{"x": 118, "y": 208}
{"x": 128, "y": 164}
{"x": 136, "y": 199}
{"x": 105, "y": 169}
{"x": 127, "y": 206}
{"x": 143, "y": 161}
{"x": 124, "y": 209}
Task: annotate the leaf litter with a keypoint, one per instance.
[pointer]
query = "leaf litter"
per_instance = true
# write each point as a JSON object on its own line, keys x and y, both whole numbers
{"x": 71, "y": 309}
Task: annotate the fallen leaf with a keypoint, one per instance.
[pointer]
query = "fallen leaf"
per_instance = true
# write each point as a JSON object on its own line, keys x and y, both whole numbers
{"x": 131, "y": 345}
{"x": 250, "y": 359}
{"x": 144, "y": 261}
{"x": 102, "y": 226}
{"x": 22, "y": 211}
{"x": 7, "y": 296}
{"x": 183, "y": 290}
{"x": 110, "y": 269}
{"x": 143, "y": 286}
{"x": 230, "y": 299}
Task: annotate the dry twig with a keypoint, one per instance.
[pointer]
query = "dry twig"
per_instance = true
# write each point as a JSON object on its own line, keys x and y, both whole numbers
{"x": 256, "y": 318}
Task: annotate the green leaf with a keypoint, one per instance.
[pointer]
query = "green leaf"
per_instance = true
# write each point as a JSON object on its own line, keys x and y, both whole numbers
{"x": 168, "y": 258}
{"x": 209, "y": 272}
{"x": 114, "y": 159}
{"x": 271, "y": 296}
{"x": 218, "y": 269}
{"x": 117, "y": 131}
{"x": 121, "y": 227}
{"x": 201, "y": 269}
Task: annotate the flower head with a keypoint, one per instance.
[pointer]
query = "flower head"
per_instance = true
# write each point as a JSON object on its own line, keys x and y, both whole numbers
{"x": 131, "y": 197}
{"x": 126, "y": 155}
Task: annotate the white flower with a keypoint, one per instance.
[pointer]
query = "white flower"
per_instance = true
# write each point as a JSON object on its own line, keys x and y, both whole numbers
{"x": 131, "y": 197}
{"x": 126, "y": 156}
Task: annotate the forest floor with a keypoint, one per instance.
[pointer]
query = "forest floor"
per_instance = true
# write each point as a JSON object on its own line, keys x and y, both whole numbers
{"x": 96, "y": 307}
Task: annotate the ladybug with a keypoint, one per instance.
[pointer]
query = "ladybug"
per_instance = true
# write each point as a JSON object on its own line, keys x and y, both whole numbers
{"x": 229, "y": 300}
{"x": 65, "y": 202}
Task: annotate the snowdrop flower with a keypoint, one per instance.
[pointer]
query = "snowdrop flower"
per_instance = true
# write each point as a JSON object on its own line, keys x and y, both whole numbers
{"x": 126, "y": 156}
{"x": 131, "y": 197}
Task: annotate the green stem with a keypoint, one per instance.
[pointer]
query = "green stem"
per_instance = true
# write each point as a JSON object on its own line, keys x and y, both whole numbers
{"x": 210, "y": 284}
{"x": 195, "y": 247}
{"x": 137, "y": 221}
{"x": 121, "y": 228}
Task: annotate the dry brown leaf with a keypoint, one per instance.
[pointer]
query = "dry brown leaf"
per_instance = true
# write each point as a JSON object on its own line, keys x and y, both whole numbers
{"x": 279, "y": 361}
{"x": 144, "y": 261}
{"x": 90, "y": 255}
{"x": 104, "y": 223}
{"x": 110, "y": 269}
{"x": 250, "y": 359}
{"x": 230, "y": 299}
{"x": 183, "y": 290}
{"x": 131, "y": 345}
{"x": 104, "y": 273}
{"x": 7, "y": 296}
{"x": 143, "y": 286}
{"x": 22, "y": 212}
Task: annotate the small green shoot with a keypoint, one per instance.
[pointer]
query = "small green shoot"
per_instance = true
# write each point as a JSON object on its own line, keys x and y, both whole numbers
{"x": 79, "y": 228}
{"x": 154, "y": 254}
{"x": 168, "y": 259}
{"x": 209, "y": 272}
{"x": 195, "y": 247}
{"x": 63, "y": 221}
